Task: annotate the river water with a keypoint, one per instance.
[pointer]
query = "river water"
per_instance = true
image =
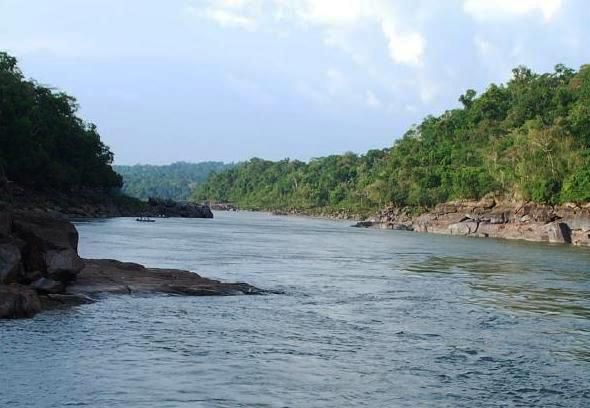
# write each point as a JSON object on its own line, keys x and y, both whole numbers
{"x": 368, "y": 318}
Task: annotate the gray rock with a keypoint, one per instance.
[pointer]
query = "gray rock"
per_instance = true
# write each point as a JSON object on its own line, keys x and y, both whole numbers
{"x": 11, "y": 270}
{"x": 63, "y": 265}
{"x": 18, "y": 301}
{"x": 45, "y": 285}
{"x": 5, "y": 224}
{"x": 463, "y": 228}
{"x": 559, "y": 232}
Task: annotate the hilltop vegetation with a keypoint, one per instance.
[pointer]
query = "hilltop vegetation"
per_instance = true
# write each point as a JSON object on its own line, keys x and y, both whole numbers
{"x": 43, "y": 143}
{"x": 175, "y": 181}
{"x": 528, "y": 139}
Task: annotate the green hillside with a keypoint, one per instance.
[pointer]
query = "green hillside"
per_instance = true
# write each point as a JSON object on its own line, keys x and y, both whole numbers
{"x": 174, "y": 181}
{"x": 528, "y": 139}
{"x": 43, "y": 143}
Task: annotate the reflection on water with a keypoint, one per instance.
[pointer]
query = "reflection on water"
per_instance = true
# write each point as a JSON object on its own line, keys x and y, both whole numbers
{"x": 368, "y": 318}
{"x": 516, "y": 284}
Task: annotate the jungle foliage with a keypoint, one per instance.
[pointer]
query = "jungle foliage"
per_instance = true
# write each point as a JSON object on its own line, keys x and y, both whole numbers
{"x": 528, "y": 139}
{"x": 43, "y": 143}
{"x": 175, "y": 181}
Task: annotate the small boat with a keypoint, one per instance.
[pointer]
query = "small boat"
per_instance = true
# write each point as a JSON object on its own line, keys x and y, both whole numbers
{"x": 144, "y": 219}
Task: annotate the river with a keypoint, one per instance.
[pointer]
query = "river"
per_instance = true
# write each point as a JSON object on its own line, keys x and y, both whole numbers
{"x": 368, "y": 318}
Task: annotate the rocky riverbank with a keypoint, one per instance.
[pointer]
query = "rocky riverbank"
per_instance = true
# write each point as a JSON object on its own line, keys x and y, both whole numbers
{"x": 491, "y": 218}
{"x": 94, "y": 203}
{"x": 40, "y": 269}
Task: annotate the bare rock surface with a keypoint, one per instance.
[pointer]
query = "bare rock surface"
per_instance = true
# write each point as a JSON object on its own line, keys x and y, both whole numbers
{"x": 491, "y": 218}
{"x": 107, "y": 276}
{"x": 40, "y": 269}
{"x": 17, "y": 301}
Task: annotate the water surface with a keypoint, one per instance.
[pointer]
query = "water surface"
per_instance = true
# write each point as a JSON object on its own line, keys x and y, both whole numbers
{"x": 369, "y": 318}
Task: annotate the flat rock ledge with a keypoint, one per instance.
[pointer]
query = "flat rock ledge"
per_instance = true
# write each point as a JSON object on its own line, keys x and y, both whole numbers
{"x": 40, "y": 269}
{"x": 108, "y": 276}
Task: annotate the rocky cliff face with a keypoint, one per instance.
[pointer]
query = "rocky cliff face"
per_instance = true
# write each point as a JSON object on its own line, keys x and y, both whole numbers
{"x": 489, "y": 218}
{"x": 40, "y": 268}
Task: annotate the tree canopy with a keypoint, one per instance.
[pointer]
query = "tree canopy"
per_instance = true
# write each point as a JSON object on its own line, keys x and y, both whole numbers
{"x": 175, "y": 181}
{"x": 528, "y": 139}
{"x": 43, "y": 143}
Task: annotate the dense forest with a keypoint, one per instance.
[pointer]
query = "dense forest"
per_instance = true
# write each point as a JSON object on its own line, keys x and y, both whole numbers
{"x": 528, "y": 139}
{"x": 43, "y": 143}
{"x": 175, "y": 181}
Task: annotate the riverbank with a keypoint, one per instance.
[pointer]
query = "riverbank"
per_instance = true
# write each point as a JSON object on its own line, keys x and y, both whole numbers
{"x": 486, "y": 218}
{"x": 40, "y": 269}
{"x": 94, "y": 203}
{"x": 491, "y": 218}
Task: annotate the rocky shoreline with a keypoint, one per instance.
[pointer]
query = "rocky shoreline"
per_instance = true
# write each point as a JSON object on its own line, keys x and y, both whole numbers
{"x": 491, "y": 218}
{"x": 40, "y": 269}
{"x": 94, "y": 203}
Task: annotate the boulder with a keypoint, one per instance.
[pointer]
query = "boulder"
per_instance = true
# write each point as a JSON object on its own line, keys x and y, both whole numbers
{"x": 18, "y": 301}
{"x": 5, "y": 224}
{"x": 50, "y": 248}
{"x": 558, "y": 232}
{"x": 463, "y": 228}
{"x": 63, "y": 265}
{"x": 45, "y": 285}
{"x": 46, "y": 233}
{"x": 581, "y": 238}
{"x": 11, "y": 270}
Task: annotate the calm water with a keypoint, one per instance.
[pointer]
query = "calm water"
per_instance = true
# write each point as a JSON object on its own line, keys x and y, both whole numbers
{"x": 369, "y": 318}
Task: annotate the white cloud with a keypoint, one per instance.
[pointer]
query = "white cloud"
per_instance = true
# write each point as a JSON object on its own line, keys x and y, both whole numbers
{"x": 484, "y": 10}
{"x": 331, "y": 11}
{"x": 404, "y": 45}
{"x": 226, "y": 17}
{"x": 404, "y": 48}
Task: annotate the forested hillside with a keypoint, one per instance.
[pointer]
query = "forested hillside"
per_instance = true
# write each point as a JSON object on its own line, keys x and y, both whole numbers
{"x": 528, "y": 139}
{"x": 43, "y": 143}
{"x": 175, "y": 181}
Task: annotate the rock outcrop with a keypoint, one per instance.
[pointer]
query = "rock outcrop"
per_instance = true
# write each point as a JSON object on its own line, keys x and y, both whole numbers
{"x": 169, "y": 208}
{"x": 488, "y": 218}
{"x": 40, "y": 268}
{"x": 104, "y": 276}
{"x": 93, "y": 203}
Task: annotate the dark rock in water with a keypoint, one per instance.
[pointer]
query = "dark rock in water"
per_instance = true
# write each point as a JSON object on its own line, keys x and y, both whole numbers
{"x": 39, "y": 259}
{"x": 10, "y": 263}
{"x": 105, "y": 276}
{"x": 50, "y": 247}
{"x": 364, "y": 224}
{"x": 45, "y": 232}
{"x": 63, "y": 265}
{"x": 17, "y": 301}
{"x": 168, "y": 208}
{"x": 45, "y": 285}
{"x": 5, "y": 224}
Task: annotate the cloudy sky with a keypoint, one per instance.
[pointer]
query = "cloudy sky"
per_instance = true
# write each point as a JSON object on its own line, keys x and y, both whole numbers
{"x": 227, "y": 80}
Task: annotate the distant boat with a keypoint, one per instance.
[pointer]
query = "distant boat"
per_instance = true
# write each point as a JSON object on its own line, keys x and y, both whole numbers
{"x": 144, "y": 219}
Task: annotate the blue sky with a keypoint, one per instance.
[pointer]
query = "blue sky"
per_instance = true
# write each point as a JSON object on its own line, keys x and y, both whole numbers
{"x": 228, "y": 80}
